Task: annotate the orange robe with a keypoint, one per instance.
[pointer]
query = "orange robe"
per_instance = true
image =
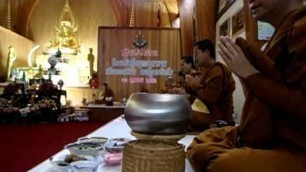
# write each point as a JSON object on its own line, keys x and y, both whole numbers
{"x": 272, "y": 135}
{"x": 216, "y": 93}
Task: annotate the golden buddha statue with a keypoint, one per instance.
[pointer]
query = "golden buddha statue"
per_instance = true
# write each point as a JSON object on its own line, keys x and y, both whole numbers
{"x": 66, "y": 34}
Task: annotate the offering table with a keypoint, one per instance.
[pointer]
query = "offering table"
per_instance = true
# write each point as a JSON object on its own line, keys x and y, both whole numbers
{"x": 117, "y": 128}
{"x": 104, "y": 113}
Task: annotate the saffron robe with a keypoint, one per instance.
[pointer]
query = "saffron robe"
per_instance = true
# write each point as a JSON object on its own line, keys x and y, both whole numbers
{"x": 272, "y": 135}
{"x": 216, "y": 93}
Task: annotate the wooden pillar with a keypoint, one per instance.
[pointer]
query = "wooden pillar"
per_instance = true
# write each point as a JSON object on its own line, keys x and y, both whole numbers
{"x": 8, "y": 19}
{"x": 24, "y": 16}
{"x": 121, "y": 9}
{"x": 206, "y": 17}
{"x": 186, "y": 8}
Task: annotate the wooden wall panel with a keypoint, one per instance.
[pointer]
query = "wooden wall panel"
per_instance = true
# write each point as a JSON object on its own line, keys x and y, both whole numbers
{"x": 146, "y": 14}
{"x": 173, "y": 10}
{"x": 113, "y": 40}
{"x": 22, "y": 48}
{"x": 187, "y": 25}
{"x": 75, "y": 95}
{"x": 25, "y": 11}
{"x": 206, "y": 17}
{"x": 2, "y": 12}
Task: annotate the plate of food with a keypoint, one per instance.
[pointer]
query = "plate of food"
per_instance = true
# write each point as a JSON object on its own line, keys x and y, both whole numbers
{"x": 64, "y": 163}
{"x": 70, "y": 158}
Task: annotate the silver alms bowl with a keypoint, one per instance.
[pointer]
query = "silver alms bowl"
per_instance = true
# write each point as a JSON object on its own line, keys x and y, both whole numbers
{"x": 158, "y": 113}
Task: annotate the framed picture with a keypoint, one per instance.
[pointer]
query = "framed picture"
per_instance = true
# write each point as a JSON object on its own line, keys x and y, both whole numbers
{"x": 238, "y": 22}
{"x": 223, "y": 6}
{"x": 224, "y": 28}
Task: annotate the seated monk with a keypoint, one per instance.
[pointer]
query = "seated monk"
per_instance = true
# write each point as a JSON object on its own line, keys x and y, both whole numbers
{"x": 169, "y": 85}
{"x": 105, "y": 93}
{"x": 213, "y": 85}
{"x": 187, "y": 66}
{"x": 272, "y": 134}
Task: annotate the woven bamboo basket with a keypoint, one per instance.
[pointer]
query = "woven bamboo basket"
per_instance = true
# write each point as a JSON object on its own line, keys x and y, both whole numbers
{"x": 153, "y": 156}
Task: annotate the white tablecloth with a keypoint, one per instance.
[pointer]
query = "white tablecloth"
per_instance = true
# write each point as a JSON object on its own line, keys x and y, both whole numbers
{"x": 117, "y": 128}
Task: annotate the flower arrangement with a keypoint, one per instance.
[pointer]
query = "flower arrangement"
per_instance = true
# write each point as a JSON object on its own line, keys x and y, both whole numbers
{"x": 33, "y": 110}
{"x": 20, "y": 108}
{"x": 11, "y": 89}
{"x": 46, "y": 89}
{"x": 47, "y": 103}
{"x": 8, "y": 113}
{"x": 3, "y": 103}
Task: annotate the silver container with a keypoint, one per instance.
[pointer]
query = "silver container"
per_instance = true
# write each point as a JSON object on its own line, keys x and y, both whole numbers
{"x": 158, "y": 113}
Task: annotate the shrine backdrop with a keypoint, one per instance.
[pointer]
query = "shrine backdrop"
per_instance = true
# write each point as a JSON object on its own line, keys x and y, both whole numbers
{"x": 130, "y": 57}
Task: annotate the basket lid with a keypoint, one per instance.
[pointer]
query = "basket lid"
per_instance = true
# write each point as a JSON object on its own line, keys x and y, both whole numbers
{"x": 155, "y": 145}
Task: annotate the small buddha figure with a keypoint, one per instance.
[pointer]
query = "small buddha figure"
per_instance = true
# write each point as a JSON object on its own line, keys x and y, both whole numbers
{"x": 11, "y": 59}
{"x": 91, "y": 59}
{"x": 40, "y": 73}
{"x": 49, "y": 44}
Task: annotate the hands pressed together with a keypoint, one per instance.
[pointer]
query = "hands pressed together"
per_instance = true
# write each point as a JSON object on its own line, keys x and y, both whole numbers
{"x": 235, "y": 59}
{"x": 193, "y": 81}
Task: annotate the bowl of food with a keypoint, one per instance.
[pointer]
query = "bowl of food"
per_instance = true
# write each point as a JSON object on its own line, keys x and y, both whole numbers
{"x": 158, "y": 113}
{"x": 86, "y": 147}
{"x": 116, "y": 145}
{"x": 94, "y": 139}
{"x": 111, "y": 159}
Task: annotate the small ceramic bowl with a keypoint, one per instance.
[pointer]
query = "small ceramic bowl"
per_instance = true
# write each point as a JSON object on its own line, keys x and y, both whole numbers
{"x": 85, "y": 166}
{"x": 116, "y": 145}
{"x": 60, "y": 166}
{"x": 113, "y": 158}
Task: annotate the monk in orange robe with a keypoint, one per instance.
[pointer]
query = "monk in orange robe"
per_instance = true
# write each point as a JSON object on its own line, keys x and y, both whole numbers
{"x": 214, "y": 87}
{"x": 187, "y": 66}
{"x": 272, "y": 134}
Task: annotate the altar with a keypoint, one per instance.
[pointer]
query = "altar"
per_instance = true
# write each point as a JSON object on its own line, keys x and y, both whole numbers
{"x": 103, "y": 113}
{"x": 64, "y": 57}
{"x": 73, "y": 69}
